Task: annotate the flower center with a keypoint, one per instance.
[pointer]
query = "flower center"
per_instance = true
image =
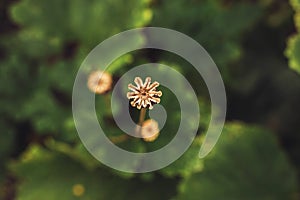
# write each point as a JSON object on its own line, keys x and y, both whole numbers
{"x": 144, "y": 93}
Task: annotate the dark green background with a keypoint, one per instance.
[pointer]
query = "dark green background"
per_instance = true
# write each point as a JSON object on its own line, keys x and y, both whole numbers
{"x": 256, "y": 45}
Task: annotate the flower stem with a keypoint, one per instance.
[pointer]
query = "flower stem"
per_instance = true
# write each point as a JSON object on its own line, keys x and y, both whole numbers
{"x": 142, "y": 116}
{"x": 141, "y": 120}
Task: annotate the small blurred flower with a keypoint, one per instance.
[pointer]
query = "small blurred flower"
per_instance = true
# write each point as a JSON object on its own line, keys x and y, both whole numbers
{"x": 99, "y": 82}
{"x": 149, "y": 130}
{"x": 78, "y": 190}
{"x": 144, "y": 94}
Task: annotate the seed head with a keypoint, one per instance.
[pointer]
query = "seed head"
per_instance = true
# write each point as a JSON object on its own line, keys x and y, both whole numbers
{"x": 149, "y": 130}
{"x": 144, "y": 94}
{"x": 99, "y": 82}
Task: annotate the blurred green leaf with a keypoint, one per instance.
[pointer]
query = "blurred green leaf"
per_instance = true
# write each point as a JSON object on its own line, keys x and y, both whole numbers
{"x": 246, "y": 163}
{"x": 293, "y": 52}
{"x": 295, "y": 4}
{"x": 49, "y": 175}
{"x": 214, "y": 25}
{"x": 48, "y": 27}
{"x": 293, "y": 46}
{"x": 187, "y": 164}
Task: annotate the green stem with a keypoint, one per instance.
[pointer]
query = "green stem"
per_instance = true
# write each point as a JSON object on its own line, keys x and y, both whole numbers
{"x": 141, "y": 119}
{"x": 142, "y": 116}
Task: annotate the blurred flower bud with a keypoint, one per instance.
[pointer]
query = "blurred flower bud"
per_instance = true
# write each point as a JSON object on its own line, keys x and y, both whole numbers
{"x": 150, "y": 130}
{"x": 99, "y": 82}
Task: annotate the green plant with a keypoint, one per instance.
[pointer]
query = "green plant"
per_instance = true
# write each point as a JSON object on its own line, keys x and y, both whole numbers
{"x": 42, "y": 46}
{"x": 293, "y": 47}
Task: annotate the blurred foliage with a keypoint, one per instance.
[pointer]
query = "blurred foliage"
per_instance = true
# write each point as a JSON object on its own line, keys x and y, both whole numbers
{"x": 51, "y": 175}
{"x": 221, "y": 35}
{"x": 247, "y": 163}
{"x": 43, "y": 43}
{"x": 293, "y": 48}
